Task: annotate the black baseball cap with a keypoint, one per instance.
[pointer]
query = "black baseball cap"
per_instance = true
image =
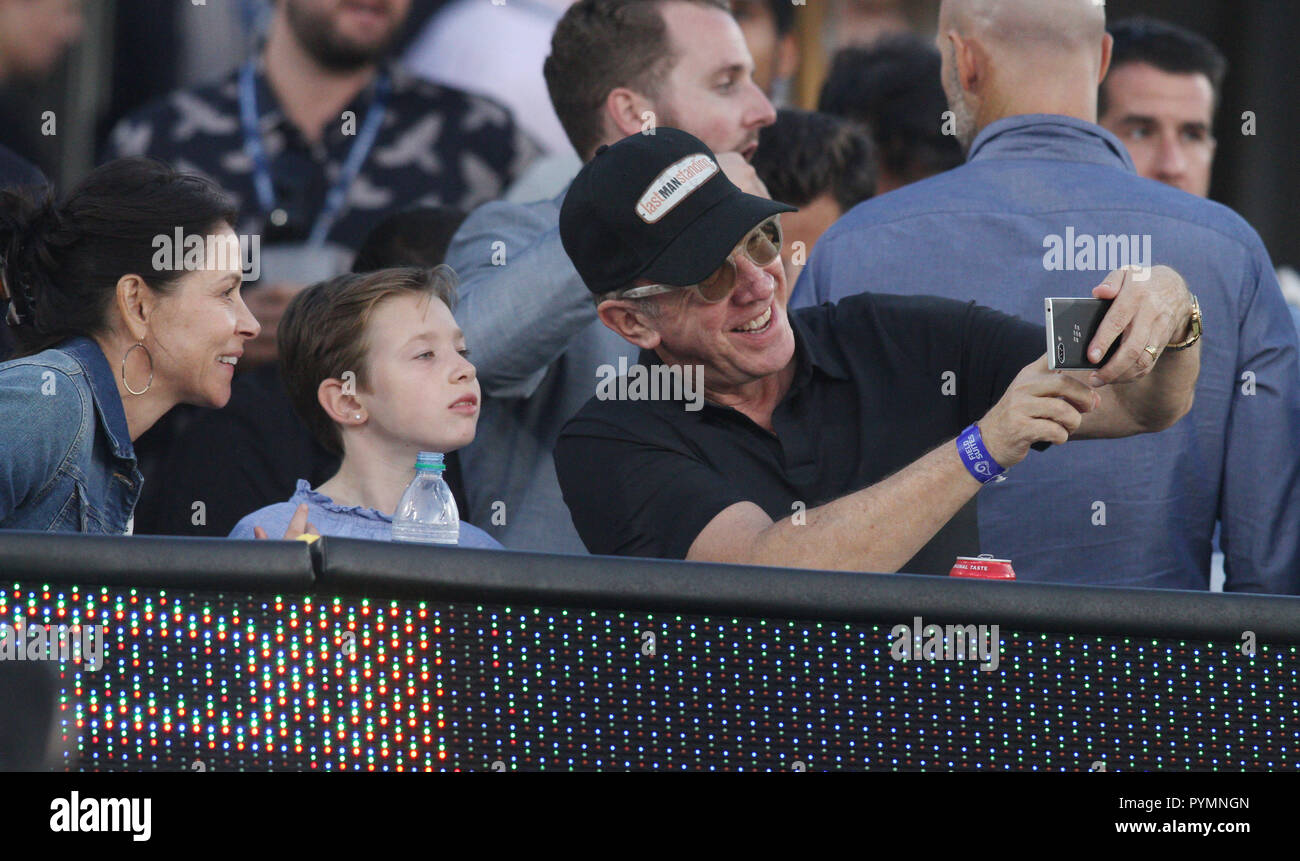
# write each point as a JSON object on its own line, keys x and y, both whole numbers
{"x": 655, "y": 206}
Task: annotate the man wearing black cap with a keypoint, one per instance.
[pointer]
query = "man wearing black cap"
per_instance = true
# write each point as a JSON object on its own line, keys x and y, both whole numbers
{"x": 616, "y": 67}
{"x": 832, "y": 438}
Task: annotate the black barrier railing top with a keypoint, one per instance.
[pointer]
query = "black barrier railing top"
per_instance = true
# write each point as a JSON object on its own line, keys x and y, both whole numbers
{"x": 381, "y": 570}
{"x": 191, "y": 563}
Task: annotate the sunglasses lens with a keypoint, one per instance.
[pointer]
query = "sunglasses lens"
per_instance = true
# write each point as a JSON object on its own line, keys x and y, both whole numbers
{"x": 718, "y": 286}
{"x": 764, "y": 244}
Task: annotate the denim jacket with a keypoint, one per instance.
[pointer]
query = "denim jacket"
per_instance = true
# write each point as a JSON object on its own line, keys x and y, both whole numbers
{"x": 66, "y": 459}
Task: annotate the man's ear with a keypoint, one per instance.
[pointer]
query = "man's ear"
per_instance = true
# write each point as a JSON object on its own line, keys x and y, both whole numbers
{"x": 136, "y": 303}
{"x": 336, "y": 399}
{"x": 625, "y": 319}
{"x": 629, "y": 112}
{"x": 972, "y": 62}
{"x": 1107, "y": 46}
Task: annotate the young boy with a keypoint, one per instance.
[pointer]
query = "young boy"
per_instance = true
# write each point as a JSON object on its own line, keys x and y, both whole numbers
{"x": 376, "y": 367}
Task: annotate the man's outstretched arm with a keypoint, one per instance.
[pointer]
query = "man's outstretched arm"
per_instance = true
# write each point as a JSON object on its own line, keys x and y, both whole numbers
{"x": 880, "y": 527}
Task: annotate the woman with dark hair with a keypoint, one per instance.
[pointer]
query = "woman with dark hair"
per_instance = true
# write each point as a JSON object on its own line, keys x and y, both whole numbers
{"x": 116, "y": 325}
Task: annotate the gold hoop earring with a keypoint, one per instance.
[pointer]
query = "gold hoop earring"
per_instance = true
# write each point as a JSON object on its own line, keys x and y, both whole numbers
{"x": 141, "y": 345}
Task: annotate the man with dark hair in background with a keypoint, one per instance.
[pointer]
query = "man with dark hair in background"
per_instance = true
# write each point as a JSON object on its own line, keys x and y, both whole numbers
{"x": 1159, "y": 98}
{"x": 767, "y": 27}
{"x": 894, "y": 89}
{"x": 321, "y": 135}
{"x": 617, "y": 68}
{"x": 823, "y": 165}
{"x": 1046, "y": 202}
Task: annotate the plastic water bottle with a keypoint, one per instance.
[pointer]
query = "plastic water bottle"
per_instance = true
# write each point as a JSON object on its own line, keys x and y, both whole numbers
{"x": 427, "y": 513}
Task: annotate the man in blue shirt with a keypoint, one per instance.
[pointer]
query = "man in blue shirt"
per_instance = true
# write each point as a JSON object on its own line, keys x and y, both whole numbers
{"x": 1047, "y": 203}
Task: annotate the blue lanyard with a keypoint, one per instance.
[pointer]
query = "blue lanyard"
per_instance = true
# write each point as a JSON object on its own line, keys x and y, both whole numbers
{"x": 253, "y": 14}
{"x": 334, "y": 199}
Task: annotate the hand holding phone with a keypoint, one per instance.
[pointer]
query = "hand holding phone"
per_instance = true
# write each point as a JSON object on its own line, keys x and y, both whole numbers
{"x": 1072, "y": 323}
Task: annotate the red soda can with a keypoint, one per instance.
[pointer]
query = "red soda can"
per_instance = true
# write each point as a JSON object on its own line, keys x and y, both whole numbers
{"x": 982, "y": 567}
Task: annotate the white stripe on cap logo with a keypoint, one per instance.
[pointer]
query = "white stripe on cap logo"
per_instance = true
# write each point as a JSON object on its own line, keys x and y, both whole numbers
{"x": 678, "y": 182}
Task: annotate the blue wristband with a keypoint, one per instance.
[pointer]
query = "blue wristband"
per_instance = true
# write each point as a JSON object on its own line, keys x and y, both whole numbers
{"x": 970, "y": 445}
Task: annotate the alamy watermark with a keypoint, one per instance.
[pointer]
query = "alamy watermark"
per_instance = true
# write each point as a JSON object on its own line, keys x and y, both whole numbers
{"x": 133, "y": 816}
{"x": 64, "y": 643}
{"x": 179, "y": 251}
{"x": 1083, "y": 252}
{"x": 919, "y": 642}
{"x": 638, "y": 382}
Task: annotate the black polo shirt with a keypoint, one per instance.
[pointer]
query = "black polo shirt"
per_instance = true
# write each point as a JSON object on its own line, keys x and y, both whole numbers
{"x": 879, "y": 381}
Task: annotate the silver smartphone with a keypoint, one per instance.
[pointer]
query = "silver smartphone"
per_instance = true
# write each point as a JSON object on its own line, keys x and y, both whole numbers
{"x": 1071, "y": 325}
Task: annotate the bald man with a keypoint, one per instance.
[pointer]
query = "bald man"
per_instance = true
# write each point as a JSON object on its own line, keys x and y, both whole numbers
{"x": 1046, "y": 203}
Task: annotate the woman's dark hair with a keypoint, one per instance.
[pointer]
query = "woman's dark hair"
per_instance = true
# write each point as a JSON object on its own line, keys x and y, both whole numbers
{"x": 62, "y": 260}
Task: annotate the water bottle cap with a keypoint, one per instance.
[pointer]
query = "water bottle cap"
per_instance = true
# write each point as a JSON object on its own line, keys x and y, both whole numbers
{"x": 429, "y": 460}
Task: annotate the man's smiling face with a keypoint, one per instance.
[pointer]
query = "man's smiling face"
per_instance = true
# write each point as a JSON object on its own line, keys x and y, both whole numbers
{"x": 745, "y": 337}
